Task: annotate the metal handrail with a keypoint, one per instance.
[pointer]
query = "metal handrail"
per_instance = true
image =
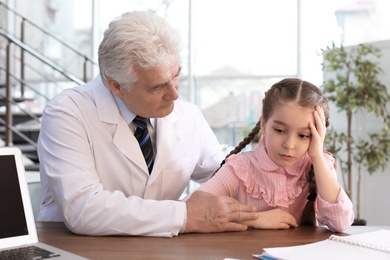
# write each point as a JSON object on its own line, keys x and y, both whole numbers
{"x": 8, "y": 113}
{"x": 8, "y": 52}
{"x": 40, "y": 57}
{"x": 26, "y": 83}
{"x": 42, "y": 29}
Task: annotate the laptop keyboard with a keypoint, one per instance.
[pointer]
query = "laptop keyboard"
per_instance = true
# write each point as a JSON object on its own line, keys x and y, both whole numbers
{"x": 27, "y": 253}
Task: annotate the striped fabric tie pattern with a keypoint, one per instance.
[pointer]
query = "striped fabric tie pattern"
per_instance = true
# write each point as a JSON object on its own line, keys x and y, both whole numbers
{"x": 143, "y": 137}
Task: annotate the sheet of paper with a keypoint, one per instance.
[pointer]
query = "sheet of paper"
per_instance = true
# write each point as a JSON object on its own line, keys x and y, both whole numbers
{"x": 334, "y": 250}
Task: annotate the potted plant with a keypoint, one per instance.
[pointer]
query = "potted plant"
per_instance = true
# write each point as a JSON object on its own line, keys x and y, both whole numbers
{"x": 352, "y": 85}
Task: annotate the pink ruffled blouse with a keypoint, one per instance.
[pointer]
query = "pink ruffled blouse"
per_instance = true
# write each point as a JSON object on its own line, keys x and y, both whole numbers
{"x": 253, "y": 178}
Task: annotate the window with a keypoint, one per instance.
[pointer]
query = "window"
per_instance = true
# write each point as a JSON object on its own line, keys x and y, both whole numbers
{"x": 233, "y": 51}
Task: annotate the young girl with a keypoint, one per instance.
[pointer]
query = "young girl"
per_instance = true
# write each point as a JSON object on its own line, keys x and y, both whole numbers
{"x": 287, "y": 177}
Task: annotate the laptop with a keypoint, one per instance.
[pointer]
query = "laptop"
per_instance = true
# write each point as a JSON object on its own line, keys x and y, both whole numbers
{"x": 18, "y": 234}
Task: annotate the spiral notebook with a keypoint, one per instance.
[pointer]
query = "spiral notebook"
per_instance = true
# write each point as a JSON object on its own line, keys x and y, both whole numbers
{"x": 370, "y": 245}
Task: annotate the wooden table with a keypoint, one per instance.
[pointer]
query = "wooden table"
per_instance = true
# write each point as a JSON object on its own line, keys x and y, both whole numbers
{"x": 239, "y": 245}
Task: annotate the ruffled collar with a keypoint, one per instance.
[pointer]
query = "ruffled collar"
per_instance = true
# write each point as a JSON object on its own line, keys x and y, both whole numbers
{"x": 263, "y": 184}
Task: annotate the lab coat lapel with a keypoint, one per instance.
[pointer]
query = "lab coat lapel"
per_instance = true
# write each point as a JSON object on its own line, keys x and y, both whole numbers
{"x": 123, "y": 138}
{"x": 125, "y": 141}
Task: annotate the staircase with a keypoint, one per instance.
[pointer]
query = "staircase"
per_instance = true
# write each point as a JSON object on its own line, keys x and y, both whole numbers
{"x": 29, "y": 78}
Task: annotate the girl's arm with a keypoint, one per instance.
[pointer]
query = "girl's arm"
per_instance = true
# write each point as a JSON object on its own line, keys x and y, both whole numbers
{"x": 327, "y": 185}
{"x": 272, "y": 219}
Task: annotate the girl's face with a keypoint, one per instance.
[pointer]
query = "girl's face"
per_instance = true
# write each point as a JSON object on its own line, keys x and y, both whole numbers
{"x": 287, "y": 134}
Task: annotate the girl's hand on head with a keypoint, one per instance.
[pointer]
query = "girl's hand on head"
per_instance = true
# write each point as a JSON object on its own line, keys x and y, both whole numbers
{"x": 318, "y": 132}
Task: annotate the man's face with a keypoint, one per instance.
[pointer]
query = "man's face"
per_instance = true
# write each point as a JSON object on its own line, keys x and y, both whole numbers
{"x": 153, "y": 95}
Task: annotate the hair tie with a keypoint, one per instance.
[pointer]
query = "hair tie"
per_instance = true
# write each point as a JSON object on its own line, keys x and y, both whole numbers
{"x": 312, "y": 196}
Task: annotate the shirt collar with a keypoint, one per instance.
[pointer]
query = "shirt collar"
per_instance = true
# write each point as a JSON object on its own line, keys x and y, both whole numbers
{"x": 127, "y": 114}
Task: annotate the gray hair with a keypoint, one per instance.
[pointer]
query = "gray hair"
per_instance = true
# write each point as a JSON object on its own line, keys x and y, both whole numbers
{"x": 136, "y": 40}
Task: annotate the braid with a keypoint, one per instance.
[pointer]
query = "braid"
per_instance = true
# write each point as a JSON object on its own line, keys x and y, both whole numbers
{"x": 255, "y": 130}
{"x": 308, "y": 215}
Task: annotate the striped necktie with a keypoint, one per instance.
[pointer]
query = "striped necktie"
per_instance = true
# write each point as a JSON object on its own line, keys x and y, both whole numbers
{"x": 143, "y": 137}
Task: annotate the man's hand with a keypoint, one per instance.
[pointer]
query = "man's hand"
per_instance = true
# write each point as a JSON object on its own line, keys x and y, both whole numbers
{"x": 208, "y": 213}
{"x": 273, "y": 219}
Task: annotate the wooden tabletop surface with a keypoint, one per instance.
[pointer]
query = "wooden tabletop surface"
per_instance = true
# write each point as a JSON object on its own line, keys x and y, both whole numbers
{"x": 240, "y": 245}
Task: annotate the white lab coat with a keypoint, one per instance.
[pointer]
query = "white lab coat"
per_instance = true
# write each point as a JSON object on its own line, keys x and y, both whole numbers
{"x": 93, "y": 174}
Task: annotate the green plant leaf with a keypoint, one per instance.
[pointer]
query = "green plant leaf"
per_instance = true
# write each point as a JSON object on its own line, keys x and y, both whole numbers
{"x": 353, "y": 85}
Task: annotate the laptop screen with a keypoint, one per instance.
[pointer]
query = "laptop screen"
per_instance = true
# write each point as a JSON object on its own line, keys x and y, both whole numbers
{"x": 17, "y": 224}
{"x": 12, "y": 217}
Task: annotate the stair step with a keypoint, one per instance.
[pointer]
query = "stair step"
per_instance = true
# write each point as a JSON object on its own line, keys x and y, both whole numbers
{"x": 3, "y": 100}
{"x": 29, "y": 151}
{"x": 28, "y": 128}
{"x": 20, "y": 117}
{"x": 26, "y": 147}
{"x": 32, "y": 167}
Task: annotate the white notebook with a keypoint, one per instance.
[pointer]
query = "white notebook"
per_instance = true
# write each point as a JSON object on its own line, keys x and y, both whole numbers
{"x": 370, "y": 245}
{"x": 17, "y": 224}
